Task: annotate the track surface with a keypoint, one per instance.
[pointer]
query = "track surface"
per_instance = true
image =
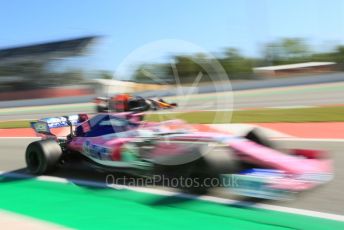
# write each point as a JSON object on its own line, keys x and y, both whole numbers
{"x": 283, "y": 97}
{"x": 203, "y": 89}
{"x": 327, "y": 198}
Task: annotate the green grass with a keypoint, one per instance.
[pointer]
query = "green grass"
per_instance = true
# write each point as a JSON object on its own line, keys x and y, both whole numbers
{"x": 320, "y": 114}
{"x": 15, "y": 124}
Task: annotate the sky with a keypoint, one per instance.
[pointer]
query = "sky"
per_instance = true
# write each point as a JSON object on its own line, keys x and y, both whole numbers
{"x": 210, "y": 24}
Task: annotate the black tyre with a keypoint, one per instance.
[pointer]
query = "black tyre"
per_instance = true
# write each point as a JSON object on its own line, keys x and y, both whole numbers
{"x": 214, "y": 162}
{"x": 257, "y": 136}
{"x": 206, "y": 170}
{"x": 43, "y": 156}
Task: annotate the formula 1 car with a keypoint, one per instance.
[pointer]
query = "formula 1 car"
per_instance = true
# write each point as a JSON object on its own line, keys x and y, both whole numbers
{"x": 249, "y": 165}
{"x": 126, "y": 102}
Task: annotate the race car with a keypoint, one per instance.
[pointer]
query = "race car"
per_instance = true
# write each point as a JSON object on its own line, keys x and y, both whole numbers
{"x": 126, "y": 102}
{"x": 248, "y": 165}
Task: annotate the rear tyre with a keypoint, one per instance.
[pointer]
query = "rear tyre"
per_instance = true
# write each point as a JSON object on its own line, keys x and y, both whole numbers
{"x": 43, "y": 156}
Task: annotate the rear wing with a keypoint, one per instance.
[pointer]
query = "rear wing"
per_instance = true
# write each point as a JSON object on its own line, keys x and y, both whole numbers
{"x": 64, "y": 121}
{"x": 43, "y": 126}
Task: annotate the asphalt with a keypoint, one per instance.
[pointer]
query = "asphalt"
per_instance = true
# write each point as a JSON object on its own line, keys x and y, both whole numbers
{"x": 201, "y": 89}
{"x": 327, "y": 198}
{"x": 257, "y": 84}
{"x": 282, "y": 97}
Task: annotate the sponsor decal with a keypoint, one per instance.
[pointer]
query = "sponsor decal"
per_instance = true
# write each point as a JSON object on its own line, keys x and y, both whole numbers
{"x": 41, "y": 127}
{"x": 129, "y": 152}
{"x": 96, "y": 151}
{"x": 57, "y": 122}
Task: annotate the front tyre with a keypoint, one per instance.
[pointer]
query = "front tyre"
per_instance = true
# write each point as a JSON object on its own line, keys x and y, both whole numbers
{"x": 204, "y": 172}
{"x": 213, "y": 163}
{"x": 256, "y": 135}
{"x": 42, "y": 156}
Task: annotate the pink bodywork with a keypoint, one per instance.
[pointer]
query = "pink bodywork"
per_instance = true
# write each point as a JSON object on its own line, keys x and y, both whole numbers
{"x": 293, "y": 166}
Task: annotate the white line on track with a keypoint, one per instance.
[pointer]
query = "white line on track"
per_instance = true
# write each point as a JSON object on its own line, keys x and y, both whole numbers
{"x": 296, "y": 139}
{"x": 337, "y": 140}
{"x": 213, "y": 199}
{"x": 38, "y": 138}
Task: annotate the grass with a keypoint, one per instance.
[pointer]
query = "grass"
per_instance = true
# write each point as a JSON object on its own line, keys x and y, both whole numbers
{"x": 318, "y": 114}
{"x": 15, "y": 124}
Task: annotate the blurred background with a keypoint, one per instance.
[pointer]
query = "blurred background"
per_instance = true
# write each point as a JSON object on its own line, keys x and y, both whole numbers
{"x": 284, "y": 74}
{"x": 71, "y": 50}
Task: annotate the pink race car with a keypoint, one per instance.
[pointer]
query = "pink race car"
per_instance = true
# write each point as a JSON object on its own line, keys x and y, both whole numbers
{"x": 249, "y": 165}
